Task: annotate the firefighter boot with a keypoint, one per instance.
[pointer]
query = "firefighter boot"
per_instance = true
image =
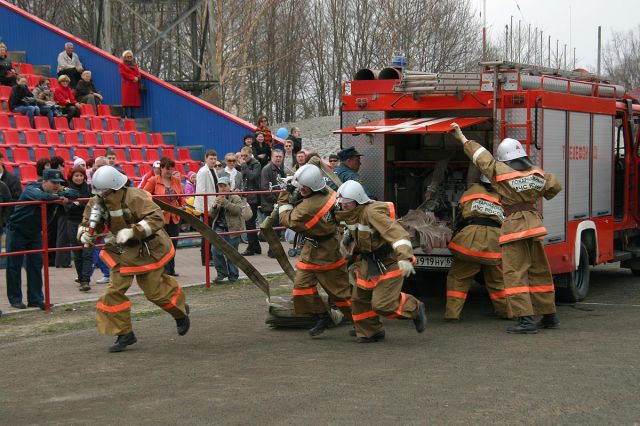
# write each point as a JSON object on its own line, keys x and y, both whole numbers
{"x": 549, "y": 321}
{"x": 183, "y": 324}
{"x": 420, "y": 321}
{"x": 324, "y": 322}
{"x": 123, "y": 341}
{"x": 526, "y": 325}
{"x": 375, "y": 338}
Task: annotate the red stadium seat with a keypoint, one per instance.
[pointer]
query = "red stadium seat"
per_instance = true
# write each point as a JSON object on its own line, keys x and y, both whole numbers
{"x": 107, "y": 139}
{"x": 184, "y": 154}
{"x": 129, "y": 170}
{"x": 121, "y": 155}
{"x": 129, "y": 125}
{"x": 28, "y": 173}
{"x": 152, "y": 155}
{"x": 89, "y": 139}
{"x": 113, "y": 124}
{"x": 62, "y": 124}
{"x": 142, "y": 139}
{"x": 42, "y": 123}
{"x": 144, "y": 168}
{"x": 21, "y": 156}
{"x": 21, "y": 122}
{"x": 99, "y": 152}
{"x": 9, "y": 167}
{"x": 33, "y": 80}
{"x": 96, "y": 124}
{"x": 11, "y": 137}
{"x": 52, "y": 138}
{"x": 87, "y": 110}
{"x": 157, "y": 139}
{"x": 39, "y": 153}
{"x": 168, "y": 152}
{"x": 135, "y": 155}
{"x": 81, "y": 152}
{"x": 24, "y": 69}
{"x": 79, "y": 123}
{"x": 71, "y": 138}
{"x": 104, "y": 111}
{"x": 124, "y": 138}
{"x": 5, "y": 123}
{"x": 32, "y": 137}
{"x": 64, "y": 153}
{"x": 194, "y": 166}
{"x": 53, "y": 83}
{"x": 5, "y": 93}
{"x": 5, "y": 155}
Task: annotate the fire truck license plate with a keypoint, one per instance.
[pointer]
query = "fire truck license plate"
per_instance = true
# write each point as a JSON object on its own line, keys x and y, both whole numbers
{"x": 433, "y": 261}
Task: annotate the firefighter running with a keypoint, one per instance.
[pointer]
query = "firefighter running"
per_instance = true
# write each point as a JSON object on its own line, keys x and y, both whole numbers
{"x": 529, "y": 288}
{"x": 384, "y": 259}
{"x": 140, "y": 249}
{"x": 475, "y": 248}
{"x": 309, "y": 210}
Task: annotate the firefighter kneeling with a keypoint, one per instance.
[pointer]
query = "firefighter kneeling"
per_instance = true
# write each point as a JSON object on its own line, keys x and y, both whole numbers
{"x": 140, "y": 249}
{"x": 308, "y": 210}
{"x": 385, "y": 256}
{"x": 475, "y": 248}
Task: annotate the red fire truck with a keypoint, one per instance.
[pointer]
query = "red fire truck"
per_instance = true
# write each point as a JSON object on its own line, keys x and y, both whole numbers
{"x": 581, "y": 129}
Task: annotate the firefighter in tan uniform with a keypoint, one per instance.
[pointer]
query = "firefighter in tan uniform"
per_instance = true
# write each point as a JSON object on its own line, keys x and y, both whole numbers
{"x": 310, "y": 211}
{"x": 384, "y": 258}
{"x": 141, "y": 249}
{"x": 475, "y": 248}
{"x": 529, "y": 288}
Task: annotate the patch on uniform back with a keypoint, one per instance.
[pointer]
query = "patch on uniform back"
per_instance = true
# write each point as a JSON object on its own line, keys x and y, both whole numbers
{"x": 487, "y": 208}
{"x": 527, "y": 182}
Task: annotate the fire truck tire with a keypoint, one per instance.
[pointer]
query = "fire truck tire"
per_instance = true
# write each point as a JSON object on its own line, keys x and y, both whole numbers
{"x": 576, "y": 284}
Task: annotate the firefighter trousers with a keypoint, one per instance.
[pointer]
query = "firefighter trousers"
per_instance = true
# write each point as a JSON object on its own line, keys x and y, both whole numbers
{"x": 528, "y": 283}
{"x": 113, "y": 310}
{"x": 460, "y": 279}
{"x": 382, "y": 296}
{"x": 335, "y": 282}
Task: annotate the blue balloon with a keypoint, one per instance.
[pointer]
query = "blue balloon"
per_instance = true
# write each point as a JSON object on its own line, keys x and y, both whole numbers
{"x": 282, "y": 132}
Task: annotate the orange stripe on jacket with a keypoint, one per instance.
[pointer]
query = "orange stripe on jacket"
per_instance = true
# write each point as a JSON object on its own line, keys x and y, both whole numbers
{"x": 507, "y": 176}
{"x": 313, "y": 267}
{"x": 106, "y": 258}
{"x": 522, "y": 289}
{"x": 363, "y": 316}
{"x": 327, "y": 206}
{"x": 485, "y": 197}
{"x": 468, "y": 252}
{"x": 392, "y": 210}
{"x": 373, "y": 283}
{"x": 173, "y": 300}
{"x": 113, "y": 309}
{"x": 305, "y": 291}
{"x": 151, "y": 266}
{"x": 457, "y": 294}
{"x": 523, "y": 234}
{"x": 343, "y": 303}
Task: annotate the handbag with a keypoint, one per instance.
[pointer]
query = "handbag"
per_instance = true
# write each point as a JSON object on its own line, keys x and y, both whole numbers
{"x": 246, "y": 212}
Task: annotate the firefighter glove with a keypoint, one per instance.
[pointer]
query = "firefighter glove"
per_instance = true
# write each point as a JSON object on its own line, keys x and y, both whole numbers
{"x": 457, "y": 133}
{"x": 86, "y": 239}
{"x": 124, "y": 235}
{"x": 406, "y": 267}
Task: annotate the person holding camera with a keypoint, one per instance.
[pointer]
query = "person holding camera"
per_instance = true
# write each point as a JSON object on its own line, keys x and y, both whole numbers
{"x": 22, "y": 100}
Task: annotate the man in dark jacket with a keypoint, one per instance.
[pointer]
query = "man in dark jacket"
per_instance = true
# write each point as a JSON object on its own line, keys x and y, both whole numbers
{"x": 294, "y": 136}
{"x": 22, "y": 100}
{"x": 24, "y": 233}
{"x": 270, "y": 174}
{"x": 10, "y": 184}
{"x": 251, "y": 170}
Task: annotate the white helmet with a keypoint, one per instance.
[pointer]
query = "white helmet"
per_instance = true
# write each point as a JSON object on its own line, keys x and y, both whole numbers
{"x": 352, "y": 190}
{"x": 510, "y": 149}
{"x": 310, "y": 176}
{"x": 484, "y": 178}
{"x": 107, "y": 177}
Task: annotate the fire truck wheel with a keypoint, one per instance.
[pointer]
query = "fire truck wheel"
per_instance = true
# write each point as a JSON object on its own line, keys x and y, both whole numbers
{"x": 576, "y": 284}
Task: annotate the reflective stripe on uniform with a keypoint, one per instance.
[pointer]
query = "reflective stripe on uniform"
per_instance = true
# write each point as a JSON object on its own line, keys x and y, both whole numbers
{"x": 106, "y": 258}
{"x": 457, "y": 294}
{"x": 327, "y": 206}
{"x": 151, "y": 266}
{"x": 116, "y": 213}
{"x": 343, "y": 303}
{"x": 473, "y": 253}
{"x": 398, "y": 312}
{"x": 145, "y": 225}
{"x": 373, "y": 283}
{"x": 516, "y": 174}
{"x": 359, "y": 227}
{"x": 313, "y": 267}
{"x": 477, "y": 154}
{"x": 522, "y": 289}
{"x": 392, "y": 210}
{"x": 305, "y": 291}
{"x": 173, "y": 300}
{"x": 485, "y": 197}
{"x": 284, "y": 208}
{"x": 124, "y": 306}
{"x": 363, "y": 316}
{"x": 402, "y": 242}
{"x": 522, "y": 234}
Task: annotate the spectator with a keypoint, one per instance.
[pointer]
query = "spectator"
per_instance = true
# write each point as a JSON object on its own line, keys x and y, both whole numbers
{"x": 82, "y": 259}
{"x": 190, "y": 183}
{"x": 235, "y": 177}
{"x": 206, "y": 183}
{"x": 64, "y": 97}
{"x": 22, "y": 100}
{"x": 251, "y": 172}
{"x": 69, "y": 65}
{"x": 130, "y": 83}
{"x": 24, "y": 232}
{"x": 7, "y": 73}
{"x": 44, "y": 99}
{"x": 219, "y": 168}
{"x": 112, "y": 160}
{"x": 294, "y": 136}
{"x": 168, "y": 184}
{"x": 97, "y": 163}
{"x": 5, "y": 197}
{"x": 269, "y": 176}
{"x": 79, "y": 162}
{"x": 289, "y": 161}
{"x": 57, "y": 229}
{"x": 239, "y": 161}
{"x": 333, "y": 161}
{"x": 41, "y": 165}
{"x": 301, "y": 159}
{"x": 155, "y": 171}
{"x": 263, "y": 127}
{"x": 226, "y": 214}
{"x": 247, "y": 141}
{"x": 12, "y": 183}
{"x": 87, "y": 93}
{"x": 261, "y": 150}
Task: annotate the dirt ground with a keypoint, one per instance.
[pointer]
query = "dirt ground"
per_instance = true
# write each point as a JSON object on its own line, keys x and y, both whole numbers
{"x": 232, "y": 369}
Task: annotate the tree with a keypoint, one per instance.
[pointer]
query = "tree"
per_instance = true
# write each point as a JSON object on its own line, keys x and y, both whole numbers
{"x": 621, "y": 58}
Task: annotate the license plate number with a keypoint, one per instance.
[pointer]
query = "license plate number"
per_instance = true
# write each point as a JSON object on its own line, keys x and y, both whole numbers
{"x": 433, "y": 261}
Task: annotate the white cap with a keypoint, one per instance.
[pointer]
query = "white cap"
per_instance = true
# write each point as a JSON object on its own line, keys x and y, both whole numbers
{"x": 156, "y": 164}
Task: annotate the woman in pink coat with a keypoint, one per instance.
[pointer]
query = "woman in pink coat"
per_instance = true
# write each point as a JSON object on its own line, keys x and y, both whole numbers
{"x": 130, "y": 83}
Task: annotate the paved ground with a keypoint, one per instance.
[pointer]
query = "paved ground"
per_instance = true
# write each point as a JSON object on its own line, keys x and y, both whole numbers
{"x": 231, "y": 369}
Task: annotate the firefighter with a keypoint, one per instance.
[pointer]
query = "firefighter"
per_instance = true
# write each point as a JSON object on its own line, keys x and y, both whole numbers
{"x": 475, "y": 248}
{"x": 384, "y": 258}
{"x": 529, "y": 288}
{"x": 309, "y": 211}
{"x": 140, "y": 249}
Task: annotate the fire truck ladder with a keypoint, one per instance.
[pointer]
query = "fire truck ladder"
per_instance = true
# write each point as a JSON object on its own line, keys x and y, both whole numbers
{"x": 421, "y": 83}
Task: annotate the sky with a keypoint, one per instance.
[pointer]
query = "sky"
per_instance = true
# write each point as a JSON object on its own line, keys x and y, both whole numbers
{"x": 553, "y": 18}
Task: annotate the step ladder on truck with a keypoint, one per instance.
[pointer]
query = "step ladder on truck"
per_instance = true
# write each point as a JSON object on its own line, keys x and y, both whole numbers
{"x": 572, "y": 124}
